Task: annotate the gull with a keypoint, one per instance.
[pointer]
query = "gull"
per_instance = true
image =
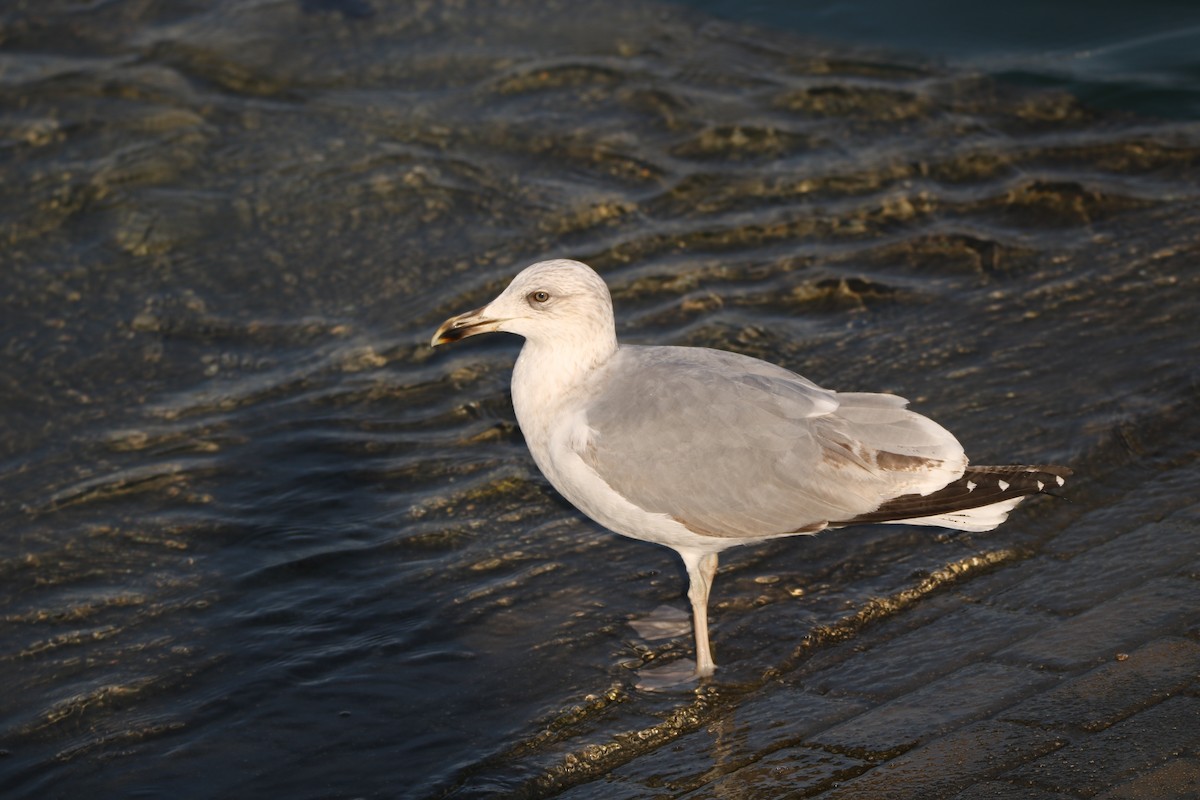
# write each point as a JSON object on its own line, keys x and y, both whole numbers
{"x": 701, "y": 450}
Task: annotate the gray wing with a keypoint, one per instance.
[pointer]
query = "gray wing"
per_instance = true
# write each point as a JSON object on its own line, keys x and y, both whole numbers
{"x": 732, "y": 446}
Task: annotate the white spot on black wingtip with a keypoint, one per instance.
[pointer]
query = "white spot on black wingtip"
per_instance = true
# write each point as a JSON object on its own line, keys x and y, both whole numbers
{"x": 971, "y": 486}
{"x": 1060, "y": 480}
{"x": 1003, "y": 485}
{"x": 1041, "y": 486}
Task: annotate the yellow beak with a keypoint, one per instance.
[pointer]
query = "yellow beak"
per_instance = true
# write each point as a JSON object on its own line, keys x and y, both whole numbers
{"x": 464, "y": 325}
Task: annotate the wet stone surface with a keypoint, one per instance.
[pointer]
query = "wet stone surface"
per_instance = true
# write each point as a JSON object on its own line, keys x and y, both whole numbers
{"x": 1115, "y": 690}
{"x": 1131, "y": 746}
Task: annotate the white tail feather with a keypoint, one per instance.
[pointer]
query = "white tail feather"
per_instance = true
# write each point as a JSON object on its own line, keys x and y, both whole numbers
{"x": 982, "y": 518}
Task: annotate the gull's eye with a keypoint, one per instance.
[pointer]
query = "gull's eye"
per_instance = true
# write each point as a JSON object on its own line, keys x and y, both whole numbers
{"x": 539, "y": 296}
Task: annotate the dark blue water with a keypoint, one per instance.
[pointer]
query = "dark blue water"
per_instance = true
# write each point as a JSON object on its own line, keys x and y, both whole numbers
{"x": 258, "y": 540}
{"x": 1136, "y": 57}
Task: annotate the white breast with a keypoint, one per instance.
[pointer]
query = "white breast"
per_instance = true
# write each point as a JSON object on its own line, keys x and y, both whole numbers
{"x": 556, "y": 450}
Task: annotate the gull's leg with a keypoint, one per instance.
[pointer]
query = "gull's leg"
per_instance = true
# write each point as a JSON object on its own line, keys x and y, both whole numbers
{"x": 701, "y": 567}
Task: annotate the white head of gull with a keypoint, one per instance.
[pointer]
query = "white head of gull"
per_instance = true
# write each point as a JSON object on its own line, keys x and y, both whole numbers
{"x": 701, "y": 450}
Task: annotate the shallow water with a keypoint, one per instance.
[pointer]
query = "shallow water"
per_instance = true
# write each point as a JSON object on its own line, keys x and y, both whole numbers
{"x": 260, "y": 540}
{"x": 1134, "y": 57}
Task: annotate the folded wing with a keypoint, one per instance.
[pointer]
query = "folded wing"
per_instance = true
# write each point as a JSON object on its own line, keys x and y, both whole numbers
{"x": 735, "y": 447}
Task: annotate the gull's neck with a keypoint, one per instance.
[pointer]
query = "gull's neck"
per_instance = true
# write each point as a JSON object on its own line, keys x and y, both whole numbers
{"x": 551, "y": 372}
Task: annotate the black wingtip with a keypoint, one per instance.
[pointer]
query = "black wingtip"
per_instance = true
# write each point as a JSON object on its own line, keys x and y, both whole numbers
{"x": 978, "y": 487}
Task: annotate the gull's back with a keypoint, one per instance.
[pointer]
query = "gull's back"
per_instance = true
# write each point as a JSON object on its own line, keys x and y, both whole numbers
{"x": 738, "y": 448}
